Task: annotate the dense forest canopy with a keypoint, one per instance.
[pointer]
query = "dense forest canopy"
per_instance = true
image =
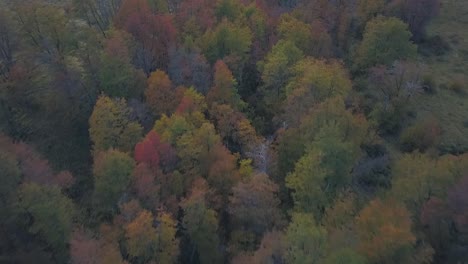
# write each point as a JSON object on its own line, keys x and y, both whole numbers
{"x": 233, "y": 131}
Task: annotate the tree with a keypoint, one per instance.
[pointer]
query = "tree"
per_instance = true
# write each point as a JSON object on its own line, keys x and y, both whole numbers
{"x": 224, "y": 90}
{"x": 201, "y": 224}
{"x": 306, "y": 182}
{"x": 193, "y": 104}
{"x": 145, "y": 186}
{"x": 194, "y": 149}
{"x": 385, "y": 41}
{"x": 436, "y": 224}
{"x": 83, "y": 248}
{"x": 276, "y": 70}
{"x": 384, "y": 231}
{"x": 155, "y": 33}
{"x": 331, "y": 114}
{"x": 167, "y": 246}
{"x": 119, "y": 79}
{"x": 325, "y": 79}
{"x": 8, "y": 42}
{"x": 160, "y": 95}
{"x": 141, "y": 237}
{"x": 45, "y": 205}
{"x": 36, "y": 169}
{"x": 296, "y": 31}
{"x": 396, "y": 84}
{"x": 369, "y": 9}
{"x": 230, "y": 43}
{"x": 417, "y": 177}
{"x": 222, "y": 169}
{"x": 97, "y": 13}
{"x": 110, "y": 125}
{"x": 254, "y": 205}
{"x": 306, "y": 242}
{"x": 345, "y": 256}
{"x": 10, "y": 177}
{"x": 416, "y": 13}
{"x": 272, "y": 249}
{"x": 87, "y": 249}
{"x": 112, "y": 172}
{"x": 236, "y": 130}
{"x": 154, "y": 152}
{"x": 147, "y": 151}
{"x": 46, "y": 29}
{"x": 188, "y": 67}
{"x": 458, "y": 202}
{"x": 314, "y": 81}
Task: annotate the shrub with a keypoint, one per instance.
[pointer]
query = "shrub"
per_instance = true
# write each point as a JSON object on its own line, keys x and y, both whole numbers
{"x": 420, "y": 136}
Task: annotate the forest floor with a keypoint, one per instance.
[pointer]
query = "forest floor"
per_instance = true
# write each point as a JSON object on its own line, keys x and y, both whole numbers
{"x": 448, "y": 106}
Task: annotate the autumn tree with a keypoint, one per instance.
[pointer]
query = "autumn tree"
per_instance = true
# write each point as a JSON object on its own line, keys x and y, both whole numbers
{"x": 160, "y": 94}
{"x": 83, "y": 248}
{"x": 154, "y": 152}
{"x": 154, "y": 33}
{"x": 35, "y": 169}
{"x": 296, "y": 31}
{"x": 436, "y": 224}
{"x": 112, "y": 172}
{"x": 254, "y": 205}
{"x": 237, "y": 131}
{"x": 385, "y": 41}
{"x": 141, "y": 237}
{"x": 384, "y": 231}
{"x": 314, "y": 81}
{"x": 224, "y": 90}
{"x": 417, "y": 177}
{"x": 86, "y": 248}
{"x": 222, "y": 170}
{"x": 167, "y": 246}
{"x": 194, "y": 17}
{"x": 110, "y": 125}
{"x": 194, "y": 149}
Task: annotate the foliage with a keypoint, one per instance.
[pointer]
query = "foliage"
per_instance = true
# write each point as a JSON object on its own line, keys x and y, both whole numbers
{"x": 421, "y": 136}
{"x": 110, "y": 125}
{"x": 112, "y": 172}
{"x": 201, "y": 224}
{"x": 385, "y": 40}
{"x": 384, "y": 230}
{"x": 240, "y": 131}
{"x": 47, "y": 205}
{"x": 254, "y": 205}
{"x": 306, "y": 241}
{"x": 160, "y": 94}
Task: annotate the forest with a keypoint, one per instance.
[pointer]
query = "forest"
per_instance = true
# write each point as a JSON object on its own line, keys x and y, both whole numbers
{"x": 234, "y": 131}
